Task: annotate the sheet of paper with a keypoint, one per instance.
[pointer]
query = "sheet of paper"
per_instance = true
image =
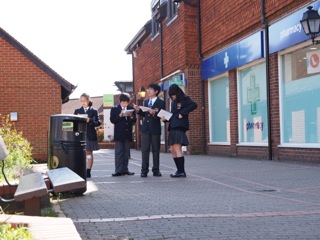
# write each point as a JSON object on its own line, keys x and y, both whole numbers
{"x": 144, "y": 109}
{"x": 83, "y": 115}
{"x": 163, "y": 113}
{"x": 128, "y": 112}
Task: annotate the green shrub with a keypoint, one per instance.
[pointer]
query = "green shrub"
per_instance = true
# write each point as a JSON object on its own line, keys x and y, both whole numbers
{"x": 7, "y": 232}
{"x": 19, "y": 158}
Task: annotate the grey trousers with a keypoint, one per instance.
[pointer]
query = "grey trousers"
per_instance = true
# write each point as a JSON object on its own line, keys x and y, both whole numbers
{"x": 122, "y": 153}
{"x": 147, "y": 141}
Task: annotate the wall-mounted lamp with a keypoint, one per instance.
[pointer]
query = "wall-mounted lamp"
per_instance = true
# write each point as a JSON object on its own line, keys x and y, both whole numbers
{"x": 193, "y": 4}
{"x": 13, "y": 116}
{"x": 142, "y": 92}
{"x": 311, "y": 24}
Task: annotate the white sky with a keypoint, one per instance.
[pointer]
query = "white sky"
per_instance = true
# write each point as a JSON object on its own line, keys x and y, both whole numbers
{"x": 83, "y": 41}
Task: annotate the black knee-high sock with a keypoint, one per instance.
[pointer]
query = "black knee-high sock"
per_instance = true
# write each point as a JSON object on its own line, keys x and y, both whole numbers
{"x": 180, "y": 163}
{"x": 176, "y": 162}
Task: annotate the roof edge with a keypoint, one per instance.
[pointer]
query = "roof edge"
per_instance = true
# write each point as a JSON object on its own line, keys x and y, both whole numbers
{"x": 68, "y": 87}
{"x": 139, "y": 38}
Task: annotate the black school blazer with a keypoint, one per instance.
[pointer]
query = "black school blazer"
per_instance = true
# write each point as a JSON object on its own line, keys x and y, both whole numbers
{"x": 92, "y": 124}
{"x": 184, "y": 107}
{"x": 151, "y": 124}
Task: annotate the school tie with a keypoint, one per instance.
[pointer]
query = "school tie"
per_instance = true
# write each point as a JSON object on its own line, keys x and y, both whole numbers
{"x": 85, "y": 110}
{"x": 124, "y": 110}
{"x": 150, "y": 103}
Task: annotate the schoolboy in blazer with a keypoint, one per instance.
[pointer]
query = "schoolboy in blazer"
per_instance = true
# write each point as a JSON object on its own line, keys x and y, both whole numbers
{"x": 122, "y": 135}
{"x": 151, "y": 130}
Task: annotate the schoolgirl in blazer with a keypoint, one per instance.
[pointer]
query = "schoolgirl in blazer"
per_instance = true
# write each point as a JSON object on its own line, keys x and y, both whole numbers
{"x": 92, "y": 123}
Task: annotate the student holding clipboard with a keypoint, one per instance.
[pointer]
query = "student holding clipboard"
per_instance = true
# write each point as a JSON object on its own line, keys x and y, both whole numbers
{"x": 181, "y": 106}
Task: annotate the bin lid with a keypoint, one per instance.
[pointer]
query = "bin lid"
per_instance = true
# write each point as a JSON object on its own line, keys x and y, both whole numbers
{"x": 68, "y": 117}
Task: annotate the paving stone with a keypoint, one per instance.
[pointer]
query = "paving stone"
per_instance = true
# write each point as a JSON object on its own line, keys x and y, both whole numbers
{"x": 221, "y": 198}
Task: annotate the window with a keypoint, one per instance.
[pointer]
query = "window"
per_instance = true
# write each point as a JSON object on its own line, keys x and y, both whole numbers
{"x": 155, "y": 24}
{"x": 252, "y": 102}
{"x": 299, "y": 94}
{"x": 219, "y": 110}
{"x": 172, "y": 9}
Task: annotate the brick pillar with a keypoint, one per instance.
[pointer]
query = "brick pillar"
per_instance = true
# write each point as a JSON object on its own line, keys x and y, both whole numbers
{"x": 274, "y": 105}
{"x": 233, "y": 98}
{"x": 193, "y": 90}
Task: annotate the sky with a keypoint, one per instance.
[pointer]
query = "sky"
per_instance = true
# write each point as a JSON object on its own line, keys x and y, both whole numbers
{"x": 83, "y": 41}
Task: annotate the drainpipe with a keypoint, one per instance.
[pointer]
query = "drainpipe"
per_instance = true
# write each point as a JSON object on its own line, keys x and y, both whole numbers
{"x": 134, "y": 92}
{"x": 203, "y": 99}
{"x": 161, "y": 76}
{"x": 266, "y": 39}
{"x": 161, "y": 51}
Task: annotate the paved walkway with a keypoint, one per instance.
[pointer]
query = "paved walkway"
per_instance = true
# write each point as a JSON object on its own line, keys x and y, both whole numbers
{"x": 221, "y": 198}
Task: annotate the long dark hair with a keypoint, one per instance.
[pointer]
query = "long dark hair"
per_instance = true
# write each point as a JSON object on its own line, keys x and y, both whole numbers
{"x": 174, "y": 89}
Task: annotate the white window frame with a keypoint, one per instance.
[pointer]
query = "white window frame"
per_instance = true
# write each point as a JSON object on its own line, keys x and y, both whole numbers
{"x": 280, "y": 74}
{"x": 210, "y": 112}
{"x": 257, "y": 62}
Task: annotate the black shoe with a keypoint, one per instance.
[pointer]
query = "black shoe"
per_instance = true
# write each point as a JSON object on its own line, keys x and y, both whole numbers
{"x": 144, "y": 175}
{"x": 116, "y": 174}
{"x": 157, "y": 174}
{"x": 128, "y": 173}
{"x": 178, "y": 175}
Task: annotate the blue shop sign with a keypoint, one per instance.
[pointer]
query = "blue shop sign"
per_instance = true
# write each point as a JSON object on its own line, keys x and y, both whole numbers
{"x": 239, "y": 54}
{"x": 288, "y": 31}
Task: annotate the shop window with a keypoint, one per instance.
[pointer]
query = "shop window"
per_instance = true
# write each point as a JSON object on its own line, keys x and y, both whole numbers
{"x": 219, "y": 110}
{"x": 300, "y": 91}
{"x": 252, "y": 99}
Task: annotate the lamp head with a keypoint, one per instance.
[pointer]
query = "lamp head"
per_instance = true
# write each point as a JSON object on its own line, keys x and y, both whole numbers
{"x": 311, "y": 22}
{"x": 142, "y": 92}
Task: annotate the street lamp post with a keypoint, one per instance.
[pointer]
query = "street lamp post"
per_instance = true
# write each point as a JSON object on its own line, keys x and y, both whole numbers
{"x": 142, "y": 94}
{"x": 311, "y": 24}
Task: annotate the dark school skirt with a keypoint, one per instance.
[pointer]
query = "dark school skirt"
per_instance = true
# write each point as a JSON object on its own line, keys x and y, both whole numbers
{"x": 177, "y": 137}
{"x": 92, "y": 145}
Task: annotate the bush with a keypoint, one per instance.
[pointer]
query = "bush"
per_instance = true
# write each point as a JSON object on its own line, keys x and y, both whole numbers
{"x": 7, "y": 232}
{"x": 19, "y": 158}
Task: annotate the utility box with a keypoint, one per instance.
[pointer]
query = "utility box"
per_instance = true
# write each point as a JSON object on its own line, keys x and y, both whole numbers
{"x": 67, "y": 144}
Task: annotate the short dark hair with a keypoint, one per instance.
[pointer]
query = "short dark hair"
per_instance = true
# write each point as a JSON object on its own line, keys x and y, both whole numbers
{"x": 124, "y": 98}
{"x": 155, "y": 87}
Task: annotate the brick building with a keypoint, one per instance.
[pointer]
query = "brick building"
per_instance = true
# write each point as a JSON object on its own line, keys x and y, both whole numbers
{"x": 31, "y": 89}
{"x": 245, "y": 64}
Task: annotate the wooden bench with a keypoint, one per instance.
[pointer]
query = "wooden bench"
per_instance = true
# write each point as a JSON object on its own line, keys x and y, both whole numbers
{"x": 32, "y": 187}
{"x": 64, "y": 180}
{"x": 30, "y": 190}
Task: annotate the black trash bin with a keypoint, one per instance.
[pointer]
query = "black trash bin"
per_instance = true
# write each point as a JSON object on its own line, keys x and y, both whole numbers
{"x": 67, "y": 144}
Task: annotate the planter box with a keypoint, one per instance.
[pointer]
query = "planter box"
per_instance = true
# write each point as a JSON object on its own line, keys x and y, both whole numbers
{"x": 7, "y": 192}
{"x": 106, "y": 145}
{"x": 110, "y": 145}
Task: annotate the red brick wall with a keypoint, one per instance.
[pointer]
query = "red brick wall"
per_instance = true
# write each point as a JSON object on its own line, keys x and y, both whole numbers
{"x": 222, "y": 23}
{"x": 180, "y": 52}
{"x": 27, "y": 90}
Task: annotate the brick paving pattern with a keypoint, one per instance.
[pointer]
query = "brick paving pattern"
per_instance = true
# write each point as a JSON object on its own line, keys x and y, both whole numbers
{"x": 221, "y": 198}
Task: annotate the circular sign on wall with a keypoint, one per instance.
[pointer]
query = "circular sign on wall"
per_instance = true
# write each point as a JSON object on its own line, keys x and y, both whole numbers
{"x": 314, "y": 61}
{"x": 55, "y": 162}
